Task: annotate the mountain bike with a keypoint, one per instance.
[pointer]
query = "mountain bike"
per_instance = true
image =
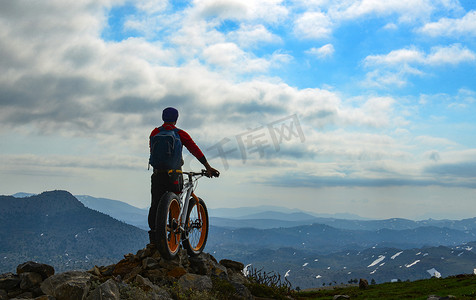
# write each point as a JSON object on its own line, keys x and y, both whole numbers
{"x": 182, "y": 218}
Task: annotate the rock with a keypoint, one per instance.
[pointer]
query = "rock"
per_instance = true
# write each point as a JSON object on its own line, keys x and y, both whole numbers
{"x": 242, "y": 290}
{"x": 14, "y": 293}
{"x": 206, "y": 264}
{"x": 106, "y": 291}
{"x": 195, "y": 282}
{"x": 177, "y": 272}
{"x": 25, "y": 295}
{"x": 155, "y": 275}
{"x": 363, "y": 283}
{"x": 9, "y": 281}
{"x": 435, "y": 297}
{"x": 231, "y": 264}
{"x": 146, "y": 285}
{"x": 3, "y": 295}
{"x": 237, "y": 277}
{"x": 125, "y": 266}
{"x": 149, "y": 263}
{"x": 340, "y": 297}
{"x": 107, "y": 271}
{"x": 30, "y": 266}
{"x": 198, "y": 265}
{"x": 72, "y": 285}
{"x": 45, "y": 297}
{"x": 132, "y": 274}
{"x": 30, "y": 280}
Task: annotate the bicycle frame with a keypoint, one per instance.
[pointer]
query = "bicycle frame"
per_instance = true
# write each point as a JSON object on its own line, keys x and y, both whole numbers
{"x": 188, "y": 192}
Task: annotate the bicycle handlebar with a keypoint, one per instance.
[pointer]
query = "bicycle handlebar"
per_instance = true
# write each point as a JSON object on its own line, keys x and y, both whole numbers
{"x": 203, "y": 172}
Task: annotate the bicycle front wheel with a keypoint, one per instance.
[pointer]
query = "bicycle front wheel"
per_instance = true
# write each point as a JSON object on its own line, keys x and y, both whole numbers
{"x": 196, "y": 227}
{"x": 168, "y": 225}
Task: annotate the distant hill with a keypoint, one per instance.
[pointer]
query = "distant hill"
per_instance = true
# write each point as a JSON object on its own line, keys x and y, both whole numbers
{"x": 325, "y": 239}
{"x": 55, "y": 228}
{"x": 259, "y": 212}
{"x": 118, "y": 210}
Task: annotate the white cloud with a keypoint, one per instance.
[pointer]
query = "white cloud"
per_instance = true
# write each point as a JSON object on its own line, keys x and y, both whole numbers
{"x": 230, "y": 56}
{"x": 313, "y": 25}
{"x": 395, "y": 67}
{"x": 322, "y": 52}
{"x": 452, "y": 27}
{"x": 265, "y": 10}
{"x": 396, "y": 57}
{"x": 253, "y": 35}
{"x": 452, "y": 55}
{"x": 151, "y": 6}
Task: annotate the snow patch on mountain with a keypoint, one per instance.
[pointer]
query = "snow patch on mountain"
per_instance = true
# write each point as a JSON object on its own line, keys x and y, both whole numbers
{"x": 396, "y": 254}
{"x": 413, "y": 263}
{"x": 434, "y": 273}
{"x": 377, "y": 261}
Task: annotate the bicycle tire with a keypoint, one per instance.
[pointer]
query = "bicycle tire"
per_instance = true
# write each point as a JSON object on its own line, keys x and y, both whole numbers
{"x": 196, "y": 227}
{"x": 167, "y": 225}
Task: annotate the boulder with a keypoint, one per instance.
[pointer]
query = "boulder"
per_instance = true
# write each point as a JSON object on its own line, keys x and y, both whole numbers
{"x": 24, "y": 295}
{"x": 3, "y": 295}
{"x": 106, "y": 291}
{"x": 363, "y": 283}
{"x": 146, "y": 285}
{"x": 195, "y": 282}
{"x": 231, "y": 264}
{"x": 30, "y": 266}
{"x": 72, "y": 285}
{"x": 30, "y": 280}
{"x": 149, "y": 263}
{"x": 242, "y": 290}
{"x": 206, "y": 264}
{"x": 45, "y": 297}
{"x": 177, "y": 272}
{"x": 125, "y": 267}
{"x": 9, "y": 281}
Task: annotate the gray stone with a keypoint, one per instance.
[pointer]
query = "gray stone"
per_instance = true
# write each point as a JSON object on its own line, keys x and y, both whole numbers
{"x": 242, "y": 291}
{"x": 106, "y": 291}
{"x": 9, "y": 281}
{"x": 30, "y": 266}
{"x": 3, "y": 295}
{"x": 149, "y": 263}
{"x": 195, "y": 282}
{"x": 72, "y": 285}
{"x": 363, "y": 283}
{"x": 341, "y": 297}
{"x": 146, "y": 285}
{"x": 24, "y": 295}
{"x": 45, "y": 297}
{"x": 237, "y": 277}
{"x": 231, "y": 264}
{"x": 30, "y": 280}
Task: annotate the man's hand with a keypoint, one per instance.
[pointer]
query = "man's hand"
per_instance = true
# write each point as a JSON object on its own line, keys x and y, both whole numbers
{"x": 211, "y": 172}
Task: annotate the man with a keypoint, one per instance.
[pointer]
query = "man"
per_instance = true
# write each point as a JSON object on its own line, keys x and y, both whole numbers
{"x": 160, "y": 181}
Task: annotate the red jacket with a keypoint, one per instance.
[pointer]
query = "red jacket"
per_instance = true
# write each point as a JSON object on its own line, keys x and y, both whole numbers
{"x": 185, "y": 139}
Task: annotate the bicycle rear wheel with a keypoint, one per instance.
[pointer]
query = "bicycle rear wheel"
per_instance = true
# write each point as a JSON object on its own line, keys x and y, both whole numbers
{"x": 168, "y": 225}
{"x": 196, "y": 227}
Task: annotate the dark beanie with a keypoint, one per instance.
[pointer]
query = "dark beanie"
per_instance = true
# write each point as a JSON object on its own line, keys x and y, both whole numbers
{"x": 170, "y": 114}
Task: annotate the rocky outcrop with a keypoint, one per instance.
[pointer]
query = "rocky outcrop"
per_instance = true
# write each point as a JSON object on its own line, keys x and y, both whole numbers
{"x": 144, "y": 275}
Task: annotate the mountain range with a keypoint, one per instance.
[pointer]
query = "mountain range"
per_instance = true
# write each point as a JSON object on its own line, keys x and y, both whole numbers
{"x": 79, "y": 231}
{"x": 55, "y": 228}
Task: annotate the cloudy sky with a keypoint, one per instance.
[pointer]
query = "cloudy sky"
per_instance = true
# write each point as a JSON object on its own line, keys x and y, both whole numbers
{"x": 365, "y": 106}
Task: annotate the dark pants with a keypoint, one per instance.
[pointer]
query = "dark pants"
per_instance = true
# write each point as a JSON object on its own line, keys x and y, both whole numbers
{"x": 159, "y": 186}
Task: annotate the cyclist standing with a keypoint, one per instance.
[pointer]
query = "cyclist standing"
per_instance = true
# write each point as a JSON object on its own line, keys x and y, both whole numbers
{"x": 161, "y": 178}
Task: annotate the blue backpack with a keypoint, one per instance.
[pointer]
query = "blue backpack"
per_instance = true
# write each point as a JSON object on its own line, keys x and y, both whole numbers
{"x": 166, "y": 150}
